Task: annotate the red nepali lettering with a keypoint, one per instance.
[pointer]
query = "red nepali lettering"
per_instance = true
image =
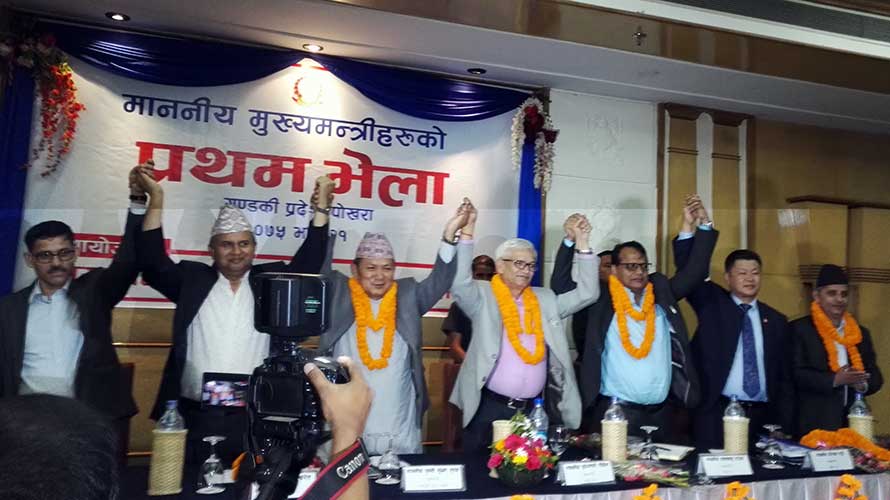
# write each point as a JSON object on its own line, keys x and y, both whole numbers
{"x": 405, "y": 181}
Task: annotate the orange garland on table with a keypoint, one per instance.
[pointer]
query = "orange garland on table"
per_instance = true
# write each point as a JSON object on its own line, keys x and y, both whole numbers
{"x": 844, "y": 437}
{"x": 848, "y": 488}
{"x": 852, "y": 337}
{"x": 737, "y": 491}
{"x": 364, "y": 318}
{"x": 648, "y": 493}
{"x": 624, "y": 308}
{"x": 510, "y": 317}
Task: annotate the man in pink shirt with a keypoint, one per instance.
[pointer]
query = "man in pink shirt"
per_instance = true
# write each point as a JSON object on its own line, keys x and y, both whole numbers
{"x": 519, "y": 346}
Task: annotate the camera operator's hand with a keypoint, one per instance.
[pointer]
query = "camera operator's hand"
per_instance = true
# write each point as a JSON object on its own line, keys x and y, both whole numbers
{"x": 345, "y": 406}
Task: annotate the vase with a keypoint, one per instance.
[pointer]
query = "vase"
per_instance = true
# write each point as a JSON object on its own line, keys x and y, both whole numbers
{"x": 520, "y": 478}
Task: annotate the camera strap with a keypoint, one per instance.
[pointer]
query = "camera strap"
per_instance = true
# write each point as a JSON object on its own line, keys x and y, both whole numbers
{"x": 340, "y": 473}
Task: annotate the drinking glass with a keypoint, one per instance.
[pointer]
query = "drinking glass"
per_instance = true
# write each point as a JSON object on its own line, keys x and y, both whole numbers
{"x": 649, "y": 451}
{"x": 212, "y": 471}
{"x": 772, "y": 453}
{"x": 389, "y": 466}
{"x": 558, "y": 439}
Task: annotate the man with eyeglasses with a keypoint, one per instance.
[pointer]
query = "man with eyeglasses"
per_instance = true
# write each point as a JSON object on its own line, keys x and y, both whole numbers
{"x": 55, "y": 335}
{"x": 519, "y": 351}
{"x": 457, "y": 326}
{"x": 741, "y": 347}
{"x": 637, "y": 347}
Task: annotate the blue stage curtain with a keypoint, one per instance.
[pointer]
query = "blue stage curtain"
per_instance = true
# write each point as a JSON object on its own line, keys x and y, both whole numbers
{"x": 529, "y": 223}
{"x": 15, "y": 134}
{"x": 422, "y": 95}
{"x": 169, "y": 61}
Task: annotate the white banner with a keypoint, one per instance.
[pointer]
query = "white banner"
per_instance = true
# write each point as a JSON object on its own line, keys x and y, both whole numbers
{"x": 259, "y": 146}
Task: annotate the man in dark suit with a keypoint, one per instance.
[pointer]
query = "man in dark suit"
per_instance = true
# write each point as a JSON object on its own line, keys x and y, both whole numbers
{"x": 640, "y": 361}
{"x": 213, "y": 328}
{"x": 740, "y": 348}
{"x": 55, "y": 335}
{"x": 833, "y": 356}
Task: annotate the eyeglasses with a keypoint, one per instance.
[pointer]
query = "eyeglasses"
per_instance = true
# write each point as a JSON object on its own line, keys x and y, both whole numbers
{"x": 65, "y": 255}
{"x": 522, "y": 265}
{"x": 635, "y": 266}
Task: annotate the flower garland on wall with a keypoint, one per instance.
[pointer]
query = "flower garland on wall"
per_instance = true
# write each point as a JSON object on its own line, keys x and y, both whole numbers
{"x": 59, "y": 107}
{"x": 531, "y": 124}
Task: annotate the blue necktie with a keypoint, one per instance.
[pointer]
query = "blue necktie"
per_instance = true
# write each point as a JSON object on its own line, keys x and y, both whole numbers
{"x": 751, "y": 376}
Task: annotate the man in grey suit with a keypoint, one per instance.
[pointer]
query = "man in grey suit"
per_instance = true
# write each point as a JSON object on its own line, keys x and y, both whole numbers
{"x": 376, "y": 320}
{"x": 519, "y": 352}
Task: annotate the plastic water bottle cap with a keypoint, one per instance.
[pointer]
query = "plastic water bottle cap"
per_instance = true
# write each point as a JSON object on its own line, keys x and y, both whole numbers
{"x": 172, "y": 404}
{"x": 539, "y": 401}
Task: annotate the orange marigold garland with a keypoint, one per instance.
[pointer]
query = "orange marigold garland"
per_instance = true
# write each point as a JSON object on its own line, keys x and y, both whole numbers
{"x": 624, "y": 308}
{"x": 510, "y": 317}
{"x": 849, "y": 488}
{"x": 364, "y": 318}
{"x": 844, "y": 437}
{"x": 828, "y": 333}
{"x": 738, "y": 491}
{"x": 648, "y": 493}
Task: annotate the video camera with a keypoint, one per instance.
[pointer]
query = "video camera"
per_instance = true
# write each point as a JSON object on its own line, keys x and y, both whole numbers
{"x": 286, "y": 423}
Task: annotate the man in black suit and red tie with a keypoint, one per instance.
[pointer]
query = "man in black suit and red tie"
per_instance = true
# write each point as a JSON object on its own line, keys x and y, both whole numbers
{"x": 741, "y": 348}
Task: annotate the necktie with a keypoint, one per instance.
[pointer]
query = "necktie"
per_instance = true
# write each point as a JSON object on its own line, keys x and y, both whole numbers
{"x": 751, "y": 376}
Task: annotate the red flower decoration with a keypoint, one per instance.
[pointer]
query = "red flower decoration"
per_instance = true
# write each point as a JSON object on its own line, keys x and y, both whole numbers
{"x": 495, "y": 461}
{"x": 514, "y": 442}
{"x": 533, "y": 463}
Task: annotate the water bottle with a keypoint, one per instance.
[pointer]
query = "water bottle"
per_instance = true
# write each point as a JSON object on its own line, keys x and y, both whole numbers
{"x": 734, "y": 409}
{"x": 735, "y": 428}
{"x": 614, "y": 413}
{"x": 167, "y": 453}
{"x": 614, "y": 435}
{"x": 539, "y": 419}
{"x": 171, "y": 420}
{"x": 861, "y": 419}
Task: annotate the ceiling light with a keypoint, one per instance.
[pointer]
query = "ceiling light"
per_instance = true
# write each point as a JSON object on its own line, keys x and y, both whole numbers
{"x": 477, "y": 71}
{"x": 117, "y": 16}
{"x": 312, "y": 47}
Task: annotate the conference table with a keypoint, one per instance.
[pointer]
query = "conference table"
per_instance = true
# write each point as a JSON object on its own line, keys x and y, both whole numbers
{"x": 791, "y": 483}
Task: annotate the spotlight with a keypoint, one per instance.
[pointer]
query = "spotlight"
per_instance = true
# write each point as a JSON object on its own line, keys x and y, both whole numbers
{"x": 477, "y": 71}
{"x": 313, "y": 47}
{"x": 117, "y": 16}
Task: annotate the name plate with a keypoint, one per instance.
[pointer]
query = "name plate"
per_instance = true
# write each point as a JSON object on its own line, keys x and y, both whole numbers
{"x": 585, "y": 472}
{"x": 724, "y": 465}
{"x": 433, "y": 478}
{"x": 829, "y": 460}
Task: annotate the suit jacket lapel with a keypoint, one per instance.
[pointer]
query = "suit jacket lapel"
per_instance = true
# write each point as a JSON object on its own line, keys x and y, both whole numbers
{"x": 18, "y": 331}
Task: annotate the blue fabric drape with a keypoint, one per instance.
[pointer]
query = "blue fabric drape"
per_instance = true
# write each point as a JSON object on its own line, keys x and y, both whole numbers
{"x": 529, "y": 223}
{"x": 167, "y": 60}
{"x": 15, "y": 134}
{"x": 422, "y": 95}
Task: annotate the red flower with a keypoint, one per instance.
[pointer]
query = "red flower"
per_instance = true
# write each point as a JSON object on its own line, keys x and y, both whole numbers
{"x": 495, "y": 461}
{"x": 533, "y": 463}
{"x": 514, "y": 442}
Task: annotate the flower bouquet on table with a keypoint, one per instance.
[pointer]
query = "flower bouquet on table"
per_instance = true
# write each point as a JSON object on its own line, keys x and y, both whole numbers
{"x": 521, "y": 459}
{"x": 652, "y": 473}
{"x": 866, "y": 455}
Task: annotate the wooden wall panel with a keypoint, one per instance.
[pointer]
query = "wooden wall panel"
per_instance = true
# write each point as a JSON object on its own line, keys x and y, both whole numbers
{"x": 725, "y": 209}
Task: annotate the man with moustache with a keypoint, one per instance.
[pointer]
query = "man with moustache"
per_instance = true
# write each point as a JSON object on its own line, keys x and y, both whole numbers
{"x": 636, "y": 347}
{"x": 213, "y": 326}
{"x": 741, "y": 347}
{"x": 55, "y": 334}
{"x": 376, "y": 320}
{"x": 833, "y": 356}
{"x": 520, "y": 351}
